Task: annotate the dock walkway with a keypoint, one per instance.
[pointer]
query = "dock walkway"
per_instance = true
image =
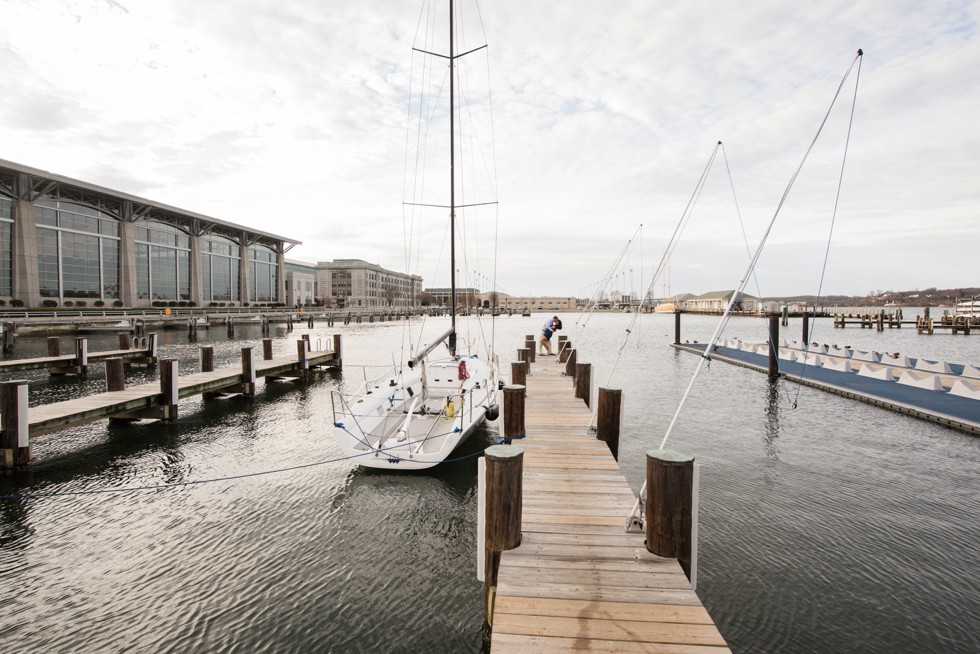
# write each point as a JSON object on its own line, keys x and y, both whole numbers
{"x": 936, "y": 406}
{"x": 60, "y": 415}
{"x": 578, "y": 581}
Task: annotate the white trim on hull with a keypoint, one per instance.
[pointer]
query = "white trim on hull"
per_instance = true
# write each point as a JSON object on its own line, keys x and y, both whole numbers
{"x": 416, "y": 419}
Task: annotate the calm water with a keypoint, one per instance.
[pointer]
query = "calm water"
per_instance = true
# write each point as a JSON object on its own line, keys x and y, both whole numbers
{"x": 831, "y": 527}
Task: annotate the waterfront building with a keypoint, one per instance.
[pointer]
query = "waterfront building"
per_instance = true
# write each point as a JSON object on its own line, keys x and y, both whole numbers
{"x": 355, "y": 283}
{"x": 717, "y": 301}
{"x": 466, "y": 298}
{"x": 531, "y": 302}
{"x": 64, "y": 240}
{"x": 300, "y": 283}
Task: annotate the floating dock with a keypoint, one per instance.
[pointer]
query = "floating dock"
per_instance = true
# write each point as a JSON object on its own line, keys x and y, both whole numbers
{"x": 944, "y": 393}
{"x": 578, "y": 581}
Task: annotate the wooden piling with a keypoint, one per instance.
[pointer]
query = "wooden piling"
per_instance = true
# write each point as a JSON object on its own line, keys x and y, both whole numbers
{"x": 15, "y": 445}
{"x": 337, "y": 350}
{"x": 81, "y": 356}
{"x": 523, "y": 354}
{"x": 504, "y": 506}
{"x": 677, "y": 328}
{"x": 115, "y": 375}
{"x": 806, "y": 328}
{"x": 571, "y": 357}
{"x": 774, "y": 346}
{"x": 267, "y": 349}
{"x": 514, "y": 398}
{"x": 54, "y": 346}
{"x": 124, "y": 341}
{"x": 302, "y": 356}
{"x": 9, "y": 336}
{"x": 518, "y": 372}
{"x": 248, "y": 372}
{"x": 583, "y": 382}
{"x": 668, "y": 516}
{"x": 207, "y": 358}
{"x": 169, "y": 388}
{"x": 609, "y": 417}
{"x": 564, "y": 348}
{"x": 531, "y": 348}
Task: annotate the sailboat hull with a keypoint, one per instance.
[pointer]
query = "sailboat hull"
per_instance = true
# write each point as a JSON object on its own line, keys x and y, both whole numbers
{"x": 417, "y": 419}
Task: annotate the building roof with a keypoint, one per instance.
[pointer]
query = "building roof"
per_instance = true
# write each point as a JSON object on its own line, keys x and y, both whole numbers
{"x": 722, "y": 295}
{"x": 55, "y": 181}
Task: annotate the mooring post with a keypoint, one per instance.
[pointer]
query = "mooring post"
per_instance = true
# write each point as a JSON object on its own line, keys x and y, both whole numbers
{"x": 191, "y": 328}
{"x": 207, "y": 358}
{"x": 677, "y": 327}
{"x": 248, "y": 371}
{"x": 514, "y": 398}
{"x": 338, "y": 351}
{"x": 571, "y": 356}
{"x": 531, "y": 348}
{"x": 124, "y": 341}
{"x": 170, "y": 389}
{"x": 774, "y": 346}
{"x": 9, "y": 336}
{"x": 151, "y": 347}
{"x": 81, "y": 355}
{"x": 502, "y": 516}
{"x": 15, "y": 444}
{"x": 608, "y": 418}
{"x": 563, "y": 344}
{"x": 668, "y": 518}
{"x": 518, "y": 372}
{"x": 115, "y": 375}
{"x": 302, "y": 356}
{"x": 54, "y": 346}
{"x": 806, "y": 328}
{"x": 523, "y": 354}
{"x": 583, "y": 382}
{"x": 267, "y": 349}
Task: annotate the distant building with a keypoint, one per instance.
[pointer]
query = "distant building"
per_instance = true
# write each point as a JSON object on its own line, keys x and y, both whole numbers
{"x": 465, "y": 297}
{"x": 530, "y": 302}
{"x": 300, "y": 283}
{"x": 718, "y": 301}
{"x": 355, "y": 283}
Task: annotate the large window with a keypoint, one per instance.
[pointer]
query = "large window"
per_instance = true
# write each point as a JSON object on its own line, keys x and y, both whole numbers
{"x": 220, "y": 268}
{"x": 6, "y": 245}
{"x": 163, "y": 257}
{"x": 263, "y": 266}
{"x": 78, "y": 251}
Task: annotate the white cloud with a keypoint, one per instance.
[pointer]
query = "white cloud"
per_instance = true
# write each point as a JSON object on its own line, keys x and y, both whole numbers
{"x": 290, "y": 117}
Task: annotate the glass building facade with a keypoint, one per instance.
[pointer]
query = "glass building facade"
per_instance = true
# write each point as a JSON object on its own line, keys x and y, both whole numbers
{"x": 263, "y": 265}
{"x": 6, "y": 245}
{"x": 163, "y": 262}
{"x": 220, "y": 269}
{"x": 78, "y": 251}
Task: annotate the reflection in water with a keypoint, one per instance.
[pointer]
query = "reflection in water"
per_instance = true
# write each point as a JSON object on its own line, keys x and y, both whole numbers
{"x": 853, "y": 528}
{"x": 773, "y": 399}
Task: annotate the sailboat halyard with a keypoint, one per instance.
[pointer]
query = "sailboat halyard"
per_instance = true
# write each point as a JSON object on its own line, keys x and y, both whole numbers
{"x": 418, "y": 416}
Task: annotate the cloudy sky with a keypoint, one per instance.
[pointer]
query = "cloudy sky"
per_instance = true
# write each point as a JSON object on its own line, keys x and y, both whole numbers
{"x": 290, "y": 117}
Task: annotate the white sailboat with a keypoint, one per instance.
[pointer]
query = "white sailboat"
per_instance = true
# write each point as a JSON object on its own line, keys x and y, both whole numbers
{"x": 418, "y": 415}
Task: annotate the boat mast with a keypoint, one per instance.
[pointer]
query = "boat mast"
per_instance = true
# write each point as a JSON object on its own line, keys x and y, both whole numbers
{"x": 452, "y": 186}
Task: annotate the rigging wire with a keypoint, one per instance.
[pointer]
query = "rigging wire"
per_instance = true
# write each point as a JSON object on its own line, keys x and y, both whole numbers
{"x": 706, "y": 357}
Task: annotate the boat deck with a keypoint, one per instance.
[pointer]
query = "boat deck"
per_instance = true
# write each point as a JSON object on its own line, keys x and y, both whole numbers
{"x": 578, "y": 581}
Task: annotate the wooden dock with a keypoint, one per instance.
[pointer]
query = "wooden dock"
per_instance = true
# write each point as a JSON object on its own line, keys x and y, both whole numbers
{"x": 77, "y": 363}
{"x": 155, "y": 400}
{"x": 578, "y": 581}
{"x": 60, "y": 415}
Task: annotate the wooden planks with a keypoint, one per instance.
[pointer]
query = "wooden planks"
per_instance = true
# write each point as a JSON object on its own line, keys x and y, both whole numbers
{"x": 578, "y": 581}
{"x": 60, "y": 415}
